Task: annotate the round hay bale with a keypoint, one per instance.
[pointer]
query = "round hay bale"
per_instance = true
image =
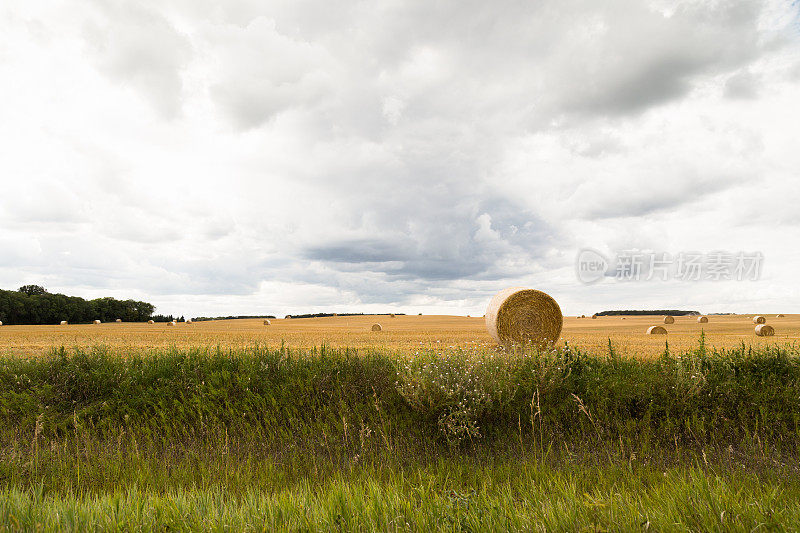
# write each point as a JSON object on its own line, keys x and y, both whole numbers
{"x": 669, "y": 319}
{"x": 656, "y": 330}
{"x": 594, "y": 316}
{"x": 765, "y": 330}
{"x": 118, "y": 320}
{"x": 391, "y": 315}
{"x": 151, "y": 322}
{"x": 63, "y": 322}
{"x": 759, "y": 319}
{"x": 288, "y": 316}
{"x": 1, "y": 323}
{"x": 702, "y": 319}
{"x": 171, "y": 323}
{"x": 377, "y": 327}
{"x": 779, "y": 315}
{"x": 520, "y": 315}
{"x": 267, "y": 322}
{"x": 96, "y": 321}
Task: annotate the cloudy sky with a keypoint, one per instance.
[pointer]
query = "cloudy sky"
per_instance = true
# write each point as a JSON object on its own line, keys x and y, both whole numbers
{"x": 290, "y": 156}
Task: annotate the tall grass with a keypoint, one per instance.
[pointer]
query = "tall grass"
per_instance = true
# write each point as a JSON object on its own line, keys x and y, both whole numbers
{"x": 452, "y": 495}
{"x": 325, "y": 439}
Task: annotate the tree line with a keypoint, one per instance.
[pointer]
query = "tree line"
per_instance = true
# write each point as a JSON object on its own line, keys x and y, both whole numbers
{"x": 32, "y": 304}
{"x": 671, "y": 312}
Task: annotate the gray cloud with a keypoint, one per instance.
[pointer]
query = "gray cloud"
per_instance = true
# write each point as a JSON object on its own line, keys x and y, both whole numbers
{"x": 141, "y": 47}
{"x": 414, "y": 153}
{"x": 743, "y": 85}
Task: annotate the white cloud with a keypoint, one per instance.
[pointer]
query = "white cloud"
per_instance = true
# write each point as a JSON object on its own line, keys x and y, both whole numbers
{"x": 290, "y": 156}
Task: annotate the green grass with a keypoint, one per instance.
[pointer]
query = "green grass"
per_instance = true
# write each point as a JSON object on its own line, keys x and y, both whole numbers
{"x": 452, "y": 495}
{"x": 334, "y": 439}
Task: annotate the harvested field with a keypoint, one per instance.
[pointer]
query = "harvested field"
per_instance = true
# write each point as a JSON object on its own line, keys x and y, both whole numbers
{"x": 405, "y": 333}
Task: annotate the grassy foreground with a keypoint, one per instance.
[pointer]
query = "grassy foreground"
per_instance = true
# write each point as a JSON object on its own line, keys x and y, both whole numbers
{"x": 460, "y": 440}
{"x": 449, "y": 496}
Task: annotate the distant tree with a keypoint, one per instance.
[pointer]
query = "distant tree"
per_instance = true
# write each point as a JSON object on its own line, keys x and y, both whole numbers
{"x": 33, "y": 290}
{"x": 32, "y": 304}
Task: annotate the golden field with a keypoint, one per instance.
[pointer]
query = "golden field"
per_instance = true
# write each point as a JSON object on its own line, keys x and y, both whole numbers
{"x": 402, "y": 333}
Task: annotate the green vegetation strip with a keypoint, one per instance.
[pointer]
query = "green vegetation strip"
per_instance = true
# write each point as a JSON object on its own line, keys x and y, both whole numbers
{"x": 450, "y": 496}
{"x": 451, "y": 440}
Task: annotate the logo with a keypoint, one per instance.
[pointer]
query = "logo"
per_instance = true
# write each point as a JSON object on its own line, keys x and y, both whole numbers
{"x": 591, "y": 266}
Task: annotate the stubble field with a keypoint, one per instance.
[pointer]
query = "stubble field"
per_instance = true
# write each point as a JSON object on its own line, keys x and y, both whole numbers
{"x": 404, "y": 334}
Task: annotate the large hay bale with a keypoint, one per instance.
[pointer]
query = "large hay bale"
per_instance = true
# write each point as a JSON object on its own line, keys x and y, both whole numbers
{"x": 779, "y": 315}
{"x": 759, "y": 319}
{"x": 520, "y": 315}
{"x": 1, "y": 323}
{"x": 63, "y": 322}
{"x": 594, "y": 316}
{"x": 391, "y": 315}
{"x": 151, "y": 321}
{"x": 118, "y": 320}
{"x": 656, "y": 330}
{"x": 267, "y": 322}
{"x": 171, "y": 323}
{"x": 377, "y": 327}
{"x": 765, "y": 330}
{"x": 669, "y": 319}
{"x": 96, "y": 321}
{"x": 702, "y": 319}
{"x": 583, "y": 316}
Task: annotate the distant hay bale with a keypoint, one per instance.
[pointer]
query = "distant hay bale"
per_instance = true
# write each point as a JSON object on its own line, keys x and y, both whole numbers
{"x": 520, "y": 315}
{"x": 171, "y": 323}
{"x": 335, "y": 314}
{"x": 656, "y": 330}
{"x": 669, "y": 319}
{"x": 118, "y": 320}
{"x": 1, "y": 323}
{"x": 702, "y": 319}
{"x": 765, "y": 330}
{"x": 377, "y": 327}
{"x": 759, "y": 319}
{"x": 779, "y": 315}
{"x": 594, "y": 316}
{"x": 151, "y": 322}
{"x": 391, "y": 315}
{"x": 267, "y": 322}
{"x": 583, "y": 316}
{"x": 188, "y": 320}
{"x": 63, "y": 322}
{"x": 96, "y": 321}
{"x": 288, "y": 316}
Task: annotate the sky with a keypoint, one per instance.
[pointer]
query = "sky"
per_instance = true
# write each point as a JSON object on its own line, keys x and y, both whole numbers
{"x": 290, "y": 156}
